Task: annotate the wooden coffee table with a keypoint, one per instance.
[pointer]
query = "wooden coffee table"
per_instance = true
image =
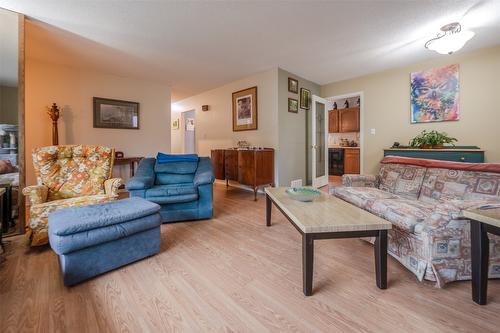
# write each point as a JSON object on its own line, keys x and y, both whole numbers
{"x": 328, "y": 217}
{"x": 482, "y": 221}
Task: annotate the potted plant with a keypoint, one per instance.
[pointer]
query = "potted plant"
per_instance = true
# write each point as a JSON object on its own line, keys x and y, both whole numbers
{"x": 432, "y": 139}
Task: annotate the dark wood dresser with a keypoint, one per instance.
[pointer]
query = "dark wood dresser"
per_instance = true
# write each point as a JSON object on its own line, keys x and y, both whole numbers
{"x": 250, "y": 167}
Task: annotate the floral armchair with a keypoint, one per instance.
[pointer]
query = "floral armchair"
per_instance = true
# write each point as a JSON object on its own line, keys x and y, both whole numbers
{"x": 67, "y": 176}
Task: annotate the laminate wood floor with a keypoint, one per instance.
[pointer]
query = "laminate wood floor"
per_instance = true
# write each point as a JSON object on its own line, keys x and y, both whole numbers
{"x": 233, "y": 274}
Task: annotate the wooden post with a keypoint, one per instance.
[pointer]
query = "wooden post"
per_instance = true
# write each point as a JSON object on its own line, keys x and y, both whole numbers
{"x": 53, "y": 113}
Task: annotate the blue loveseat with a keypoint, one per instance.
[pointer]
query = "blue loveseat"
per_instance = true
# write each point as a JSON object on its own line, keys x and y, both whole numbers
{"x": 184, "y": 190}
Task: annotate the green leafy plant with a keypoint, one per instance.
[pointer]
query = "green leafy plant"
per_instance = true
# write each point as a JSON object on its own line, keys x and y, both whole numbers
{"x": 432, "y": 139}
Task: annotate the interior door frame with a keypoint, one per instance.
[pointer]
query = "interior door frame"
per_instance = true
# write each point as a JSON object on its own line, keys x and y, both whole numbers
{"x": 361, "y": 124}
{"x": 183, "y": 126}
{"x": 323, "y": 180}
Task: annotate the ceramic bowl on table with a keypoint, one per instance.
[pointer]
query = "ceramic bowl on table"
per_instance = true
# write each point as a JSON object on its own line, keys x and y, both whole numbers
{"x": 304, "y": 194}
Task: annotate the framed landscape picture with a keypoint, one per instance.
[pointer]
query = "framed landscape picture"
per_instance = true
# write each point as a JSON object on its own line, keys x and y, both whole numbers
{"x": 305, "y": 98}
{"x": 113, "y": 113}
{"x": 293, "y": 105}
{"x": 245, "y": 109}
{"x": 293, "y": 85}
{"x": 434, "y": 95}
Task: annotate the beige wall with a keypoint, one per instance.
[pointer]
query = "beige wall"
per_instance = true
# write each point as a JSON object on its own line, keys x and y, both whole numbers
{"x": 72, "y": 89}
{"x": 8, "y": 105}
{"x": 293, "y": 131}
{"x": 387, "y": 105}
{"x": 214, "y": 128}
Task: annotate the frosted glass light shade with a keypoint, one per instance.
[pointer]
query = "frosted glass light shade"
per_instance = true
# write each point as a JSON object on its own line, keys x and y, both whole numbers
{"x": 450, "y": 43}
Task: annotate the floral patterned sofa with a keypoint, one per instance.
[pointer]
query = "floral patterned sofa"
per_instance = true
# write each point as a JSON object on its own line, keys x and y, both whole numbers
{"x": 71, "y": 175}
{"x": 424, "y": 200}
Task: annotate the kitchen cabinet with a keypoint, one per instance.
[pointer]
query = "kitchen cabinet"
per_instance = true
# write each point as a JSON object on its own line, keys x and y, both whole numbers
{"x": 351, "y": 161}
{"x": 333, "y": 121}
{"x": 349, "y": 120}
{"x": 343, "y": 120}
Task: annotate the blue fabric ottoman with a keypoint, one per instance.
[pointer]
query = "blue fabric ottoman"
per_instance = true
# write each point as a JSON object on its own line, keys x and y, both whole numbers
{"x": 94, "y": 239}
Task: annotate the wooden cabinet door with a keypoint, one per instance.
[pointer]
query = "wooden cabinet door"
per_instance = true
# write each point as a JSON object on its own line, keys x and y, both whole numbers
{"x": 264, "y": 164}
{"x": 246, "y": 167}
{"x": 231, "y": 164}
{"x": 351, "y": 161}
{"x": 218, "y": 163}
{"x": 333, "y": 121}
{"x": 349, "y": 120}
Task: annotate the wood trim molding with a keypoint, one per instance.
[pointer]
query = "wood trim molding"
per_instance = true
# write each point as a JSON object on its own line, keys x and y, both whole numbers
{"x": 21, "y": 123}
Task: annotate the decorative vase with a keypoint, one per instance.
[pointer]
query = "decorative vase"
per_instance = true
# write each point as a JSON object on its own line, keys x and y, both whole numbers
{"x": 427, "y": 146}
{"x": 439, "y": 146}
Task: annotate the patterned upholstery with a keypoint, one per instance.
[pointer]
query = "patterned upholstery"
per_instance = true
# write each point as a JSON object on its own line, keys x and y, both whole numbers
{"x": 430, "y": 237}
{"x": 72, "y": 175}
{"x": 441, "y": 185}
{"x": 360, "y": 180}
{"x": 403, "y": 180}
{"x": 361, "y": 196}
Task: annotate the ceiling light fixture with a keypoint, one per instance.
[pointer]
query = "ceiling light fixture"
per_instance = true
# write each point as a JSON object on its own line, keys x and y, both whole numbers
{"x": 450, "y": 39}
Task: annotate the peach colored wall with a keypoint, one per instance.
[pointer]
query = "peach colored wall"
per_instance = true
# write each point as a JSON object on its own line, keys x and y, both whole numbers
{"x": 72, "y": 89}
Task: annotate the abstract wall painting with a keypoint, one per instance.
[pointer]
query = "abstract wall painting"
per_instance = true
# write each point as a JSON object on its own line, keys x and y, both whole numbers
{"x": 434, "y": 95}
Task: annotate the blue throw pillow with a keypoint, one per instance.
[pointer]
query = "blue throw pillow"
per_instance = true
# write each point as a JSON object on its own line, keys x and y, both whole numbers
{"x": 173, "y": 158}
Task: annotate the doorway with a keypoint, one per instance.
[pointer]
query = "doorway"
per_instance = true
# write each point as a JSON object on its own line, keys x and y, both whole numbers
{"x": 188, "y": 120}
{"x": 345, "y": 135}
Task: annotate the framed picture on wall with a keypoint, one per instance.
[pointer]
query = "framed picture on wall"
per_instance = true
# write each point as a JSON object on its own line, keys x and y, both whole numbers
{"x": 293, "y": 85}
{"x": 113, "y": 113}
{"x": 245, "y": 109}
{"x": 176, "y": 124}
{"x": 293, "y": 105}
{"x": 305, "y": 98}
{"x": 434, "y": 95}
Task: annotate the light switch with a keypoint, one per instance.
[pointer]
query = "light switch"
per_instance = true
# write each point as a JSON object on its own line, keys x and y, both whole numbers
{"x": 372, "y": 131}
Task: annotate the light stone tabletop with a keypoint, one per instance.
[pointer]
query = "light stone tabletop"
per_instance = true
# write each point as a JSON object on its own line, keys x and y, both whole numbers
{"x": 488, "y": 216}
{"x": 325, "y": 214}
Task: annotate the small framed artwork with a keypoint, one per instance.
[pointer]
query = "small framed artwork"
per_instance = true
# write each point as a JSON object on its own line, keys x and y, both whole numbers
{"x": 293, "y": 105}
{"x": 190, "y": 124}
{"x": 114, "y": 113}
{"x": 305, "y": 98}
{"x": 293, "y": 85}
{"x": 245, "y": 109}
{"x": 176, "y": 124}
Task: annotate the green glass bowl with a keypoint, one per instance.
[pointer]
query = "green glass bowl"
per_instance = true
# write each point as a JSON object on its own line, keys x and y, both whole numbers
{"x": 305, "y": 194}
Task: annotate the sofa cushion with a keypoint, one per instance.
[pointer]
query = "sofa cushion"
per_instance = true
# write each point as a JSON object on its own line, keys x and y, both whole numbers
{"x": 73, "y": 170}
{"x": 163, "y": 178}
{"x": 171, "y": 199}
{"x": 74, "y": 220}
{"x": 176, "y": 167}
{"x": 400, "y": 179}
{"x": 443, "y": 185}
{"x": 361, "y": 196}
{"x": 401, "y": 212}
{"x": 171, "y": 190}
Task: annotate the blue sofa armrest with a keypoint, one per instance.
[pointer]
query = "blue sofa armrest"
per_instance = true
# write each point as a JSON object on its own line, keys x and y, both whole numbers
{"x": 204, "y": 173}
{"x": 144, "y": 177}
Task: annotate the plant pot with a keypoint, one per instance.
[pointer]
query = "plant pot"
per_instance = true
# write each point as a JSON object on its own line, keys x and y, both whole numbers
{"x": 441, "y": 146}
{"x": 427, "y": 146}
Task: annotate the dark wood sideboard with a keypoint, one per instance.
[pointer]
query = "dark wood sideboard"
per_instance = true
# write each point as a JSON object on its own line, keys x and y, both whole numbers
{"x": 250, "y": 167}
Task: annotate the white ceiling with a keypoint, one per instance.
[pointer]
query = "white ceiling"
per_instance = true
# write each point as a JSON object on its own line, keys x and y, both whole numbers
{"x": 195, "y": 46}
